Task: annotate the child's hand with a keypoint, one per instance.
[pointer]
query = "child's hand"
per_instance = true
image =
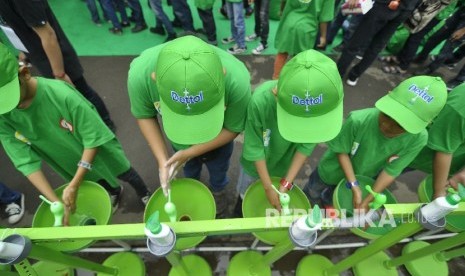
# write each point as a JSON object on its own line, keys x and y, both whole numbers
{"x": 356, "y": 197}
{"x": 163, "y": 175}
{"x": 69, "y": 198}
{"x": 273, "y": 198}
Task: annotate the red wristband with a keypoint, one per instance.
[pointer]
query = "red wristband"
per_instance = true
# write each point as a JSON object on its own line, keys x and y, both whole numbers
{"x": 60, "y": 76}
{"x": 286, "y": 184}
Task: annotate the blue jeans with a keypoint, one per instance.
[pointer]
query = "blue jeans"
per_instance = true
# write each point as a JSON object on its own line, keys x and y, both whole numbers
{"x": 236, "y": 14}
{"x": 317, "y": 191}
{"x": 161, "y": 16}
{"x": 92, "y": 6}
{"x": 244, "y": 181}
{"x": 183, "y": 12}
{"x": 137, "y": 13}
{"x": 262, "y": 26}
{"x": 109, "y": 8}
{"x": 7, "y": 195}
{"x": 208, "y": 23}
{"x": 217, "y": 163}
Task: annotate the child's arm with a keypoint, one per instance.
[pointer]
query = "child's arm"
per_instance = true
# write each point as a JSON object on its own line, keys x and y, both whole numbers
{"x": 383, "y": 181}
{"x": 297, "y": 163}
{"x": 346, "y": 165}
{"x": 152, "y": 133}
{"x": 441, "y": 168}
{"x": 323, "y": 31}
{"x": 271, "y": 194}
{"x": 70, "y": 192}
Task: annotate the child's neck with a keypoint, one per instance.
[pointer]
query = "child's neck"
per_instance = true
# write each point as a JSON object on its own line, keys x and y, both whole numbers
{"x": 29, "y": 93}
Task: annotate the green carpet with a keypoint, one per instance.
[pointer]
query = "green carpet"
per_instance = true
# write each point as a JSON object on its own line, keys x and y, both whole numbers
{"x": 91, "y": 40}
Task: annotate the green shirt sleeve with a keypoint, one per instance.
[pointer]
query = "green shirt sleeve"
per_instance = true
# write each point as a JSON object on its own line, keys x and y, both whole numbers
{"x": 343, "y": 142}
{"x": 306, "y": 149}
{"x": 19, "y": 151}
{"x": 327, "y": 11}
{"x": 450, "y": 122}
{"x": 89, "y": 128}
{"x": 253, "y": 148}
{"x": 140, "y": 85}
{"x": 237, "y": 100}
{"x": 406, "y": 156}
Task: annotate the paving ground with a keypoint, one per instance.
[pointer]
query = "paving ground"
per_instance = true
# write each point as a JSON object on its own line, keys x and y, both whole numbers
{"x": 108, "y": 76}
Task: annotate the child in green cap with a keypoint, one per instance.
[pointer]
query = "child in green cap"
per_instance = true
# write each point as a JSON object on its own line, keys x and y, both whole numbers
{"x": 285, "y": 120}
{"x": 48, "y": 120}
{"x": 201, "y": 93}
{"x": 299, "y": 26}
{"x": 444, "y": 155}
{"x": 378, "y": 142}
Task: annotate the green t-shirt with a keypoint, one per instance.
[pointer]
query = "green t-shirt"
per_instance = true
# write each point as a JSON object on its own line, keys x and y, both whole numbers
{"x": 299, "y": 24}
{"x": 446, "y": 134}
{"x": 145, "y": 100}
{"x": 369, "y": 150}
{"x": 56, "y": 128}
{"x": 262, "y": 140}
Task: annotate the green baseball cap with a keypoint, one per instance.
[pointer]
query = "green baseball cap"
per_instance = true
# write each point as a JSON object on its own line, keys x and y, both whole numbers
{"x": 9, "y": 83}
{"x": 190, "y": 81}
{"x": 310, "y": 99}
{"x": 415, "y": 102}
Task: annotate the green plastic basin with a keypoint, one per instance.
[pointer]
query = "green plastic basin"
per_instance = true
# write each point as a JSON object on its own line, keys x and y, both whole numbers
{"x": 256, "y": 203}
{"x": 342, "y": 199}
{"x": 92, "y": 200}
{"x": 193, "y": 201}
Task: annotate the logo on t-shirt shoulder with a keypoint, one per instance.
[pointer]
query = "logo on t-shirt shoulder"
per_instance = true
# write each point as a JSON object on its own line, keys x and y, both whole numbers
{"x": 22, "y": 138}
{"x": 266, "y": 137}
{"x": 66, "y": 125}
{"x": 157, "y": 107}
{"x": 392, "y": 158}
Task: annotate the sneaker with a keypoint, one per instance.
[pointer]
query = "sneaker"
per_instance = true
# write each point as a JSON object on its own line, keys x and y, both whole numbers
{"x": 259, "y": 49}
{"x": 227, "y": 40}
{"x": 115, "y": 199}
{"x": 15, "y": 210}
{"x": 235, "y": 50}
{"x": 116, "y": 31}
{"x": 358, "y": 56}
{"x": 221, "y": 203}
{"x": 97, "y": 22}
{"x": 251, "y": 37}
{"x": 145, "y": 199}
{"x": 125, "y": 24}
{"x": 157, "y": 30}
{"x": 139, "y": 28}
{"x": 223, "y": 12}
{"x": 352, "y": 82}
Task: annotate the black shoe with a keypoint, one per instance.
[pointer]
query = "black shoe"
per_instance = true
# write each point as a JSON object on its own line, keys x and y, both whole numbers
{"x": 157, "y": 30}
{"x": 115, "y": 197}
{"x": 176, "y": 23}
{"x": 116, "y": 31}
{"x": 237, "y": 213}
{"x": 132, "y": 19}
{"x": 223, "y": 12}
{"x": 125, "y": 24}
{"x": 171, "y": 37}
{"x": 139, "y": 28}
{"x": 424, "y": 71}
